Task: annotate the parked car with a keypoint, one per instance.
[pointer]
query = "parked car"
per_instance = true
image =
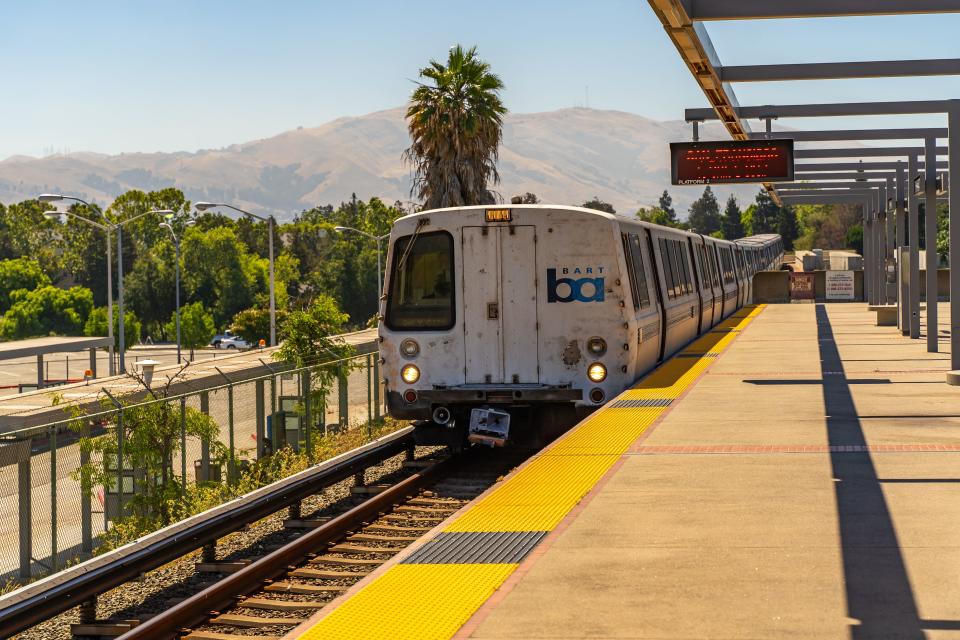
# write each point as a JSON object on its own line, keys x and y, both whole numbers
{"x": 234, "y": 342}
{"x": 217, "y": 339}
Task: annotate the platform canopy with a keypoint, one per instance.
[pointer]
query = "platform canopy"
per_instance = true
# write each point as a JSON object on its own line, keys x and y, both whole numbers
{"x": 50, "y": 344}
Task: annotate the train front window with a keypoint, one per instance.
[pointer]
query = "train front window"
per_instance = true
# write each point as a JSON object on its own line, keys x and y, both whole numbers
{"x": 421, "y": 293}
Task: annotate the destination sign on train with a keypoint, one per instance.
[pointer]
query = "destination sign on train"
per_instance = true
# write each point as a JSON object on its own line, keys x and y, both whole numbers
{"x": 731, "y": 161}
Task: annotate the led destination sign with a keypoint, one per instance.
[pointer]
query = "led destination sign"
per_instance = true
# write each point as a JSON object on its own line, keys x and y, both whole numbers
{"x": 731, "y": 161}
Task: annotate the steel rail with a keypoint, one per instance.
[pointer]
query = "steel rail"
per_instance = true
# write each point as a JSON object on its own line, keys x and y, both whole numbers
{"x": 41, "y": 600}
{"x": 198, "y": 608}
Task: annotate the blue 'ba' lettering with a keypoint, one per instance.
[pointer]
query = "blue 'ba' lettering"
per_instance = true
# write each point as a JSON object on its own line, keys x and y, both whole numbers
{"x": 580, "y": 289}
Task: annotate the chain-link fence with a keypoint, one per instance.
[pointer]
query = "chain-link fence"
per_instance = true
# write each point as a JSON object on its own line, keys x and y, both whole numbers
{"x": 47, "y": 520}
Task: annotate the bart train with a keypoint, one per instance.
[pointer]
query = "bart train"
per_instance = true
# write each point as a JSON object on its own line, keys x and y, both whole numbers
{"x": 536, "y": 314}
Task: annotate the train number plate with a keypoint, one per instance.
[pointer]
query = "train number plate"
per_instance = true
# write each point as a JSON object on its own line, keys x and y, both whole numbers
{"x": 489, "y": 427}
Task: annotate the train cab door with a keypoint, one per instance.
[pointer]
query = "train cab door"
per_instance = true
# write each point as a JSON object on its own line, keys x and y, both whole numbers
{"x": 500, "y": 304}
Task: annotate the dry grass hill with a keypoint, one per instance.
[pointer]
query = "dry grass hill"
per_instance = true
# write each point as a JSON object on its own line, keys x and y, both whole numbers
{"x": 565, "y": 156}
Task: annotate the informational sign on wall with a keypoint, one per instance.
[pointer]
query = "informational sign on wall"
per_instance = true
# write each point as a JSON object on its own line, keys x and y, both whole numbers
{"x": 801, "y": 286}
{"x": 839, "y": 285}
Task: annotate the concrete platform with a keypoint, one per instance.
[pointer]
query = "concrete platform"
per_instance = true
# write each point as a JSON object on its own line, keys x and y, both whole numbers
{"x": 804, "y": 483}
{"x": 808, "y": 486}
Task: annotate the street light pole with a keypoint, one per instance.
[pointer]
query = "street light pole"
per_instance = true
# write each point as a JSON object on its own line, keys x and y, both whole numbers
{"x": 203, "y": 206}
{"x": 52, "y": 197}
{"x": 176, "y": 246}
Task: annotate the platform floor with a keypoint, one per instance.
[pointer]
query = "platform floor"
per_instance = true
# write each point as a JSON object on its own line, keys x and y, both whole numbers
{"x": 804, "y": 483}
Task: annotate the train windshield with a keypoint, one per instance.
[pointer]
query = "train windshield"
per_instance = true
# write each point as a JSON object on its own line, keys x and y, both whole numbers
{"x": 421, "y": 283}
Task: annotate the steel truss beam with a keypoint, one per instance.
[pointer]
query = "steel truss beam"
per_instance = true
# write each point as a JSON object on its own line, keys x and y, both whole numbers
{"x": 864, "y": 152}
{"x": 839, "y": 70}
{"x": 843, "y": 175}
{"x": 815, "y": 184}
{"x": 703, "y": 10}
{"x": 834, "y": 110}
{"x": 856, "y": 134}
{"x": 856, "y": 166}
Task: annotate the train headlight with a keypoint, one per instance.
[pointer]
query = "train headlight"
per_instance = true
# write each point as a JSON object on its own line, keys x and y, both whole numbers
{"x": 597, "y": 346}
{"x": 597, "y": 372}
{"x": 411, "y": 374}
{"x": 409, "y": 348}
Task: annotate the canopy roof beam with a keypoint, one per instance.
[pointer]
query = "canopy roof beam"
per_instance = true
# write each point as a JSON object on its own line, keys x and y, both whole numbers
{"x": 856, "y": 134}
{"x": 840, "y": 70}
{"x": 704, "y": 10}
{"x": 865, "y": 152}
{"x": 832, "y": 110}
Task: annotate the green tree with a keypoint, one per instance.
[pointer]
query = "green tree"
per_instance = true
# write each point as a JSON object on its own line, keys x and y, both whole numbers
{"x": 26, "y": 232}
{"x": 787, "y": 227}
{"x": 46, "y": 310}
{"x": 96, "y": 325}
{"x": 254, "y": 324}
{"x": 765, "y": 214}
{"x": 19, "y": 273}
{"x": 196, "y": 327}
{"x": 455, "y": 119}
{"x": 151, "y": 287}
{"x": 656, "y": 215}
{"x": 854, "y": 239}
{"x": 598, "y": 205}
{"x": 665, "y": 204}
{"x": 527, "y": 198}
{"x": 308, "y": 335}
{"x": 704, "y": 214}
{"x": 731, "y": 226}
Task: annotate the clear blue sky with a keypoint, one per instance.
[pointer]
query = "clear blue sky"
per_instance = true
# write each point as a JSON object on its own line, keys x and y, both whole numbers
{"x": 115, "y": 76}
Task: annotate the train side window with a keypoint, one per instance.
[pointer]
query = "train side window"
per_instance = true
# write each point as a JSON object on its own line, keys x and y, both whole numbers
{"x": 684, "y": 258}
{"x": 636, "y": 255}
{"x": 715, "y": 270}
{"x": 667, "y": 268}
{"x": 675, "y": 267}
{"x": 630, "y": 270}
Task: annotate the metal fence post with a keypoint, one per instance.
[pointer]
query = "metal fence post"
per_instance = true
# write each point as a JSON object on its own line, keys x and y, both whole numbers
{"x": 369, "y": 391}
{"x": 119, "y": 422}
{"x": 205, "y": 442}
{"x": 232, "y": 459}
{"x": 183, "y": 446}
{"x": 307, "y": 412}
{"x": 260, "y": 430}
{"x": 343, "y": 397}
{"x": 86, "y": 507}
{"x": 377, "y": 405}
{"x": 25, "y": 513}
{"x": 53, "y": 500}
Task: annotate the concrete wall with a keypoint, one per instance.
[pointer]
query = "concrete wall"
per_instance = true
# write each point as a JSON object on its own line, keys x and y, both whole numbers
{"x": 772, "y": 287}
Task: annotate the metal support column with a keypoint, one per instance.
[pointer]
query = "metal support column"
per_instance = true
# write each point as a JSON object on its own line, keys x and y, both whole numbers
{"x": 913, "y": 231}
{"x": 86, "y": 506}
{"x": 867, "y": 253}
{"x": 307, "y": 412}
{"x": 93, "y": 361}
{"x": 889, "y": 297}
{"x": 25, "y": 513}
{"x": 260, "y": 429}
{"x": 953, "y": 146}
{"x": 377, "y": 404}
{"x": 930, "y": 239}
{"x": 343, "y": 396}
{"x": 205, "y": 443}
{"x": 903, "y": 297}
{"x": 54, "y": 524}
{"x": 39, "y": 371}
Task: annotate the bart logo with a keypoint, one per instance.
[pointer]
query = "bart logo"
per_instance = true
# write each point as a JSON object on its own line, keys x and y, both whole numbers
{"x": 573, "y": 289}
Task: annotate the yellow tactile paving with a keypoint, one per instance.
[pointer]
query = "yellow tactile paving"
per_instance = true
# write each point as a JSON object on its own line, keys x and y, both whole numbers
{"x": 554, "y": 482}
{"x": 433, "y": 601}
{"x": 413, "y": 602}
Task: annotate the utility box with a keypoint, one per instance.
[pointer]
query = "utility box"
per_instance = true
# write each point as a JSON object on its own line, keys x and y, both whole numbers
{"x": 289, "y": 418}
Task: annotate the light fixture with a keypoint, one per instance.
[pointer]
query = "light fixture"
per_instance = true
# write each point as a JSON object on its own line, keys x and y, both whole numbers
{"x": 409, "y": 348}
{"x": 410, "y": 373}
{"x": 597, "y": 372}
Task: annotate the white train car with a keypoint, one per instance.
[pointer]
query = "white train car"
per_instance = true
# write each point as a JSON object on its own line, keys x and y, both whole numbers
{"x": 536, "y": 314}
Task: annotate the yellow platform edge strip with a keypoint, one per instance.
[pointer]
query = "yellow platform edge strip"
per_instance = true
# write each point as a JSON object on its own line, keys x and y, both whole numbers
{"x": 432, "y": 601}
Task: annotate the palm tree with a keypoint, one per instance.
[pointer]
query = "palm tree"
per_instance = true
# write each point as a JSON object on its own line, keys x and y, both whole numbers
{"x": 455, "y": 126}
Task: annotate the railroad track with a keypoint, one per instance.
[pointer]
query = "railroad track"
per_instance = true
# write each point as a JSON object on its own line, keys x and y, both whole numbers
{"x": 272, "y": 595}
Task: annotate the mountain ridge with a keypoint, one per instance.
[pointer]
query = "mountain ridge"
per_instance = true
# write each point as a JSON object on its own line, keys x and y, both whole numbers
{"x": 566, "y": 156}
